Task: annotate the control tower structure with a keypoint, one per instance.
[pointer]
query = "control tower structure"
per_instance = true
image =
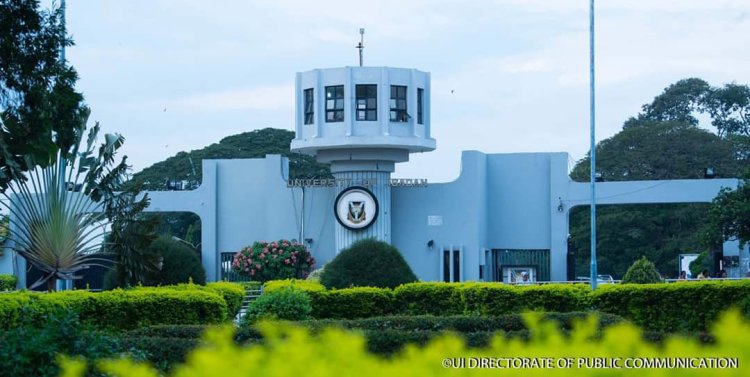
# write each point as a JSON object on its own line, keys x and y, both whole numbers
{"x": 362, "y": 121}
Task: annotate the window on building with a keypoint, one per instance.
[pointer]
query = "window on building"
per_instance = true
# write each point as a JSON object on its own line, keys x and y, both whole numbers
{"x": 398, "y": 104}
{"x": 451, "y": 265}
{"x": 367, "y": 102}
{"x": 309, "y": 106}
{"x": 420, "y": 105}
{"x": 335, "y": 103}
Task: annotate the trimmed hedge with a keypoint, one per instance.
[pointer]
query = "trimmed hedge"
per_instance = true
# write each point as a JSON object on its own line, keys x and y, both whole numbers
{"x": 7, "y": 283}
{"x": 352, "y": 302}
{"x": 305, "y": 285}
{"x": 681, "y": 306}
{"x": 389, "y": 334}
{"x": 429, "y": 298}
{"x": 119, "y": 309}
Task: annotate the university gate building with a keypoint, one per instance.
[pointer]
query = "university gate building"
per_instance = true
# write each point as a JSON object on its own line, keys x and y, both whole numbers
{"x": 504, "y": 216}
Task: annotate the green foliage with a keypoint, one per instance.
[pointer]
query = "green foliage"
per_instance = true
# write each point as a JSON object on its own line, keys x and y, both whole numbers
{"x": 54, "y": 229}
{"x": 684, "y": 306}
{"x": 162, "y": 352}
{"x": 41, "y": 114}
{"x": 4, "y": 224}
{"x": 352, "y": 302}
{"x": 662, "y": 143}
{"x": 130, "y": 238}
{"x": 232, "y": 293}
{"x": 8, "y": 282}
{"x": 282, "y": 259}
{"x": 30, "y": 349}
{"x": 119, "y": 309}
{"x": 293, "y": 351}
{"x": 703, "y": 262}
{"x": 642, "y": 271}
{"x": 367, "y": 263}
{"x": 429, "y": 298}
{"x": 179, "y": 264}
{"x": 285, "y": 304}
{"x": 253, "y": 144}
{"x": 305, "y": 285}
{"x": 729, "y": 214}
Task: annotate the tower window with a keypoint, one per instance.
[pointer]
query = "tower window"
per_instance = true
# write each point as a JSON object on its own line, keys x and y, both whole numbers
{"x": 398, "y": 104}
{"x": 335, "y": 103}
{"x": 420, "y": 105}
{"x": 309, "y": 106}
{"x": 367, "y": 102}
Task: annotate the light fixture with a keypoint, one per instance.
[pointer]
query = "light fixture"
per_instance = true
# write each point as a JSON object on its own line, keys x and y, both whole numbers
{"x": 561, "y": 206}
{"x": 430, "y": 243}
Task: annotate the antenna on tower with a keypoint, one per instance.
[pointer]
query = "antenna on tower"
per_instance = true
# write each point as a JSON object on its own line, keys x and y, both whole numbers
{"x": 361, "y": 45}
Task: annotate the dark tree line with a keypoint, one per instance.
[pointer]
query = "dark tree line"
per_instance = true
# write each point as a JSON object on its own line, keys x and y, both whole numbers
{"x": 667, "y": 141}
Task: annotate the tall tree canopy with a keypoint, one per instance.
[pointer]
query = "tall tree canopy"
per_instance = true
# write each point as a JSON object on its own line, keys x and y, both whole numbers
{"x": 664, "y": 141}
{"x": 254, "y": 144}
{"x": 41, "y": 113}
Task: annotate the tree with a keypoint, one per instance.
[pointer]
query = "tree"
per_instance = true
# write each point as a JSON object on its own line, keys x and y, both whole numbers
{"x": 42, "y": 126}
{"x": 663, "y": 142}
{"x": 40, "y": 110}
{"x": 57, "y": 225}
{"x": 642, "y": 271}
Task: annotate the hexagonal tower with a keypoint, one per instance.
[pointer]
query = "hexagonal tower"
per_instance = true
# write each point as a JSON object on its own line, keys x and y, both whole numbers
{"x": 362, "y": 120}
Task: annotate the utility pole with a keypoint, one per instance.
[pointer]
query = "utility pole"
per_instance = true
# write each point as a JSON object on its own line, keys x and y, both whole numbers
{"x": 592, "y": 153}
{"x": 361, "y": 45}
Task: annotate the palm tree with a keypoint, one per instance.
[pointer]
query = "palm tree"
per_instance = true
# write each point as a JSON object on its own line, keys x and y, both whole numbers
{"x": 57, "y": 222}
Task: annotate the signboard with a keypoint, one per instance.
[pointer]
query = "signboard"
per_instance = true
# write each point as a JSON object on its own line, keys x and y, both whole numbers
{"x": 356, "y": 208}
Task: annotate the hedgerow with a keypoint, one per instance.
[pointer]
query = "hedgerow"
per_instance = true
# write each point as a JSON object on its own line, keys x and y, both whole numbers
{"x": 7, "y": 282}
{"x": 293, "y": 351}
{"x": 119, "y": 309}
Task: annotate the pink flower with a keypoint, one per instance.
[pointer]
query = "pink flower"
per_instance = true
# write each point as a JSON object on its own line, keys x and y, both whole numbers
{"x": 286, "y": 261}
{"x": 257, "y": 266}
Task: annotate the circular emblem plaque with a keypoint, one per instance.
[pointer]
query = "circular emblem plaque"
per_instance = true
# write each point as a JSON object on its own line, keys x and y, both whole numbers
{"x": 356, "y": 208}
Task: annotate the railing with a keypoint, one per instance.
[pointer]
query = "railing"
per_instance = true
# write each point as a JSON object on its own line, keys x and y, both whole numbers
{"x": 227, "y": 274}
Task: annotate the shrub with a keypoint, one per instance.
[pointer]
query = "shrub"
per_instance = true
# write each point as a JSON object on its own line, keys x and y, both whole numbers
{"x": 280, "y": 259}
{"x": 180, "y": 264}
{"x": 162, "y": 352}
{"x": 286, "y": 304}
{"x": 252, "y": 285}
{"x": 367, "y": 263}
{"x": 119, "y": 309}
{"x": 641, "y": 271}
{"x": 352, "y": 303}
{"x": 7, "y": 282}
{"x": 31, "y": 348}
{"x": 232, "y": 293}
{"x": 305, "y": 285}
{"x": 292, "y": 351}
{"x": 683, "y": 306}
{"x": 429, "y": 298}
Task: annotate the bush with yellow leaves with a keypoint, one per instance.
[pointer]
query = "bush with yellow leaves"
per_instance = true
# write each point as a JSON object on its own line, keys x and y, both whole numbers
{"x": 293, "y": 351}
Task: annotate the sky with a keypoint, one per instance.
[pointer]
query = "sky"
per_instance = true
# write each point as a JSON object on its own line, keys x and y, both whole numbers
{"x": 507, "y": 75}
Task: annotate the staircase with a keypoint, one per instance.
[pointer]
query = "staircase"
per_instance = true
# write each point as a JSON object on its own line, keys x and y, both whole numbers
{"x": 250, "y": 295}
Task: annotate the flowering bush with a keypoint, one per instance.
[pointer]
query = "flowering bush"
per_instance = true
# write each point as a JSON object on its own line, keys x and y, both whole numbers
{"x": 280, "y": 259}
